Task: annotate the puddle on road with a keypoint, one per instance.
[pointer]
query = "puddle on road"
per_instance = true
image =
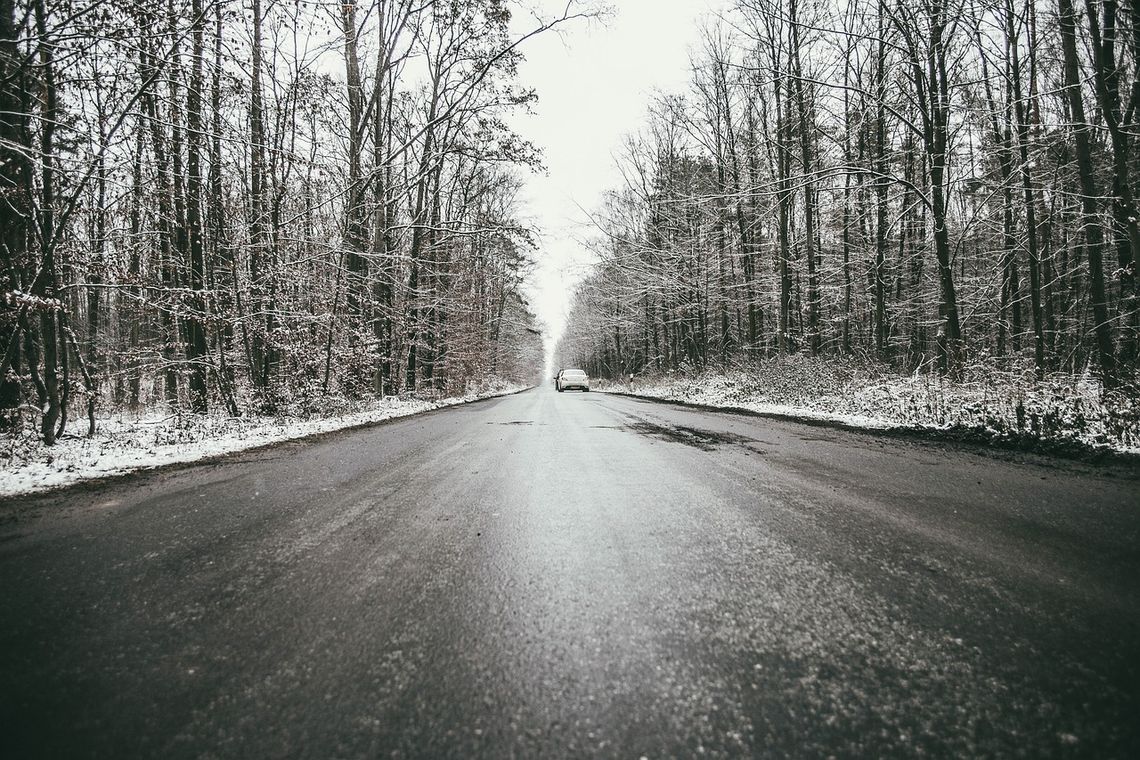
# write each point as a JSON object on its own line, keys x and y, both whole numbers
{"x": 705, "y": 440}
{"x": 516, "y": 422}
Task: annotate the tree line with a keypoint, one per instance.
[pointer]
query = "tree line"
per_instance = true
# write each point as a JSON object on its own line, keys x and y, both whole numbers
{"x": 209, "y": 204}
{"x": 927, "y": 184}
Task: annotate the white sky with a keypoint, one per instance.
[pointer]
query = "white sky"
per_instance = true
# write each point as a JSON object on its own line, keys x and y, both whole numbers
{"x": 594, "y": 86}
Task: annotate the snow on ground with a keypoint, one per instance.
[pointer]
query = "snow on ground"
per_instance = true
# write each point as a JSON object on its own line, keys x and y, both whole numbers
{"x": 1059, "y": 409}
{"x": 124, "y": 444}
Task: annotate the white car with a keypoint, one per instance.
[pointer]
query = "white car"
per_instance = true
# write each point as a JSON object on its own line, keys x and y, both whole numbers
{"x": 573, "y": 378}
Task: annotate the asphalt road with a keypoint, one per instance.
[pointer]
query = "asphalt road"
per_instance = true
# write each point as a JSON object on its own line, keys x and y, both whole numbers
{"x": 578, "y": 575}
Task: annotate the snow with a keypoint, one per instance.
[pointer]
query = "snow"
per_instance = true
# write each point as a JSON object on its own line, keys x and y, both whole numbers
{"x": 1059, "y": 409}
{"x": 124, "y": 444}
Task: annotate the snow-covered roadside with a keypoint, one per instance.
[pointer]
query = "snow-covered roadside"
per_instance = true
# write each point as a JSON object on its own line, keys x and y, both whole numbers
{"x": 1066, "y": 411}
{"x": 127, "y": 444}
{"x": 714, "y": 395}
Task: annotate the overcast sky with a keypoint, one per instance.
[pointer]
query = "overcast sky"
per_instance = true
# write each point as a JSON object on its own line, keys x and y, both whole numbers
{"x": 594, "y": 85}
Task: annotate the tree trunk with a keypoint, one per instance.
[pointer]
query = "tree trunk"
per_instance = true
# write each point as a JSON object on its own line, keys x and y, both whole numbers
{"x": 257, "y": 358}
{"x": 1030, "y": 201}
{"x": 1094, "y": 235}
{"x": 196, "y": 349}
{"x": 806, "y": 128}
{"x": 47, "y": 281}
{"x": 15, "y": 193}
{"x": 881, "y": 185}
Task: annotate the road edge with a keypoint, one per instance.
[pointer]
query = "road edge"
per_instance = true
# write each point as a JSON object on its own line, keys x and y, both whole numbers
{"x": 8, "y": 503}
{"x": 974, "y": 439}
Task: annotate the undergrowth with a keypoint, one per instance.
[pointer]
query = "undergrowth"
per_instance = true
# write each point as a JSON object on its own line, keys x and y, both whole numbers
{"x": 161, "y": 431}
{"x": 993, "y": 402}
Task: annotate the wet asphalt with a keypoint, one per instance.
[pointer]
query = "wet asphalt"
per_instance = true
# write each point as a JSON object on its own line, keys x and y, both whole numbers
{"x": 578, "y": 575}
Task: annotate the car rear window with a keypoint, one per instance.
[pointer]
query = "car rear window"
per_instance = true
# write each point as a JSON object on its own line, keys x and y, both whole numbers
{"x": 573, "y": 373}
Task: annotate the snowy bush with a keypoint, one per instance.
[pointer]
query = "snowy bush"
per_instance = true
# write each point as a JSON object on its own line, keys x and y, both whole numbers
{"x": 1010, "y": 404}
{"x": 125, "y": 443}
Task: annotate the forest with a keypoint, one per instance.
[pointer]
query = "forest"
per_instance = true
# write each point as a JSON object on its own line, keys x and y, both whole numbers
{"x": 256, "y": 207}
{"x": 927, "y": 186}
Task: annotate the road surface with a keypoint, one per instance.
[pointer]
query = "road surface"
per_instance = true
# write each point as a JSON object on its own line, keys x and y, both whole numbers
{"x": 578, "y": 575}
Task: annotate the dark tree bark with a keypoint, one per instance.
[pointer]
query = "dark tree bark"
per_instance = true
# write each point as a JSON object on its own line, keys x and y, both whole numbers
{"x": 785, "y": 343}
{"x": 1020, "y": 111}
{"x": 933, "y": 89}
{"x": 46, "y": 284}
{"x": 1106, "y": 78}
{"x": 197, "y": 353}
{"x": 807, "y": 157}
{"x": 882, "y": 184}
{"x": 258, "y": 354}
{"x": 1094, "y": 234}
{"x": 15, "y": 192}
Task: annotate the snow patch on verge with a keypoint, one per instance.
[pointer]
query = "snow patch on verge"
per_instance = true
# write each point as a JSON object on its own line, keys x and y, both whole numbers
{"x": 124, "y": 444}
{"x": 1006, "y": 406}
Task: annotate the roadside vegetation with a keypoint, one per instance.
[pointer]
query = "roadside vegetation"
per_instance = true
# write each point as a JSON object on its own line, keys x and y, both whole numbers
{"x": 258, "y": 209}
{"x": 1014, "y": 408}
{"x": 128, "y": 442}
{"x": 924, "y": 214}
